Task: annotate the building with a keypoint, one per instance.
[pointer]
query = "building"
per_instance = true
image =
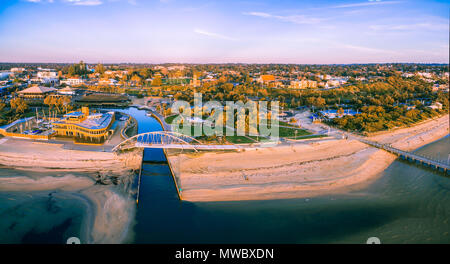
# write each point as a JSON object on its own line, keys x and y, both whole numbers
{"x": 436, "y": 106}
{"x": 265, "y": 79}
{"x": 73, "y": 81}
{"x": 47, "y": 74}
{"x": 4, "y": 75}
{"x": 85, "y": 127}
{"x": 17, "y": 70}
{"x": 176, "y": 68}
{"x": 107, "y": 82}
{"x": 36, "y": 92}
{"x": 427, "y": 75}
{"x": 303, "y": 84}
{"x": 104, "y": 100}
{"x": 67, "y": 91}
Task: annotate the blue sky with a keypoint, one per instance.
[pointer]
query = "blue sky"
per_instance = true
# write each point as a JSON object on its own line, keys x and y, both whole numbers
{"x": 250, "y": 31}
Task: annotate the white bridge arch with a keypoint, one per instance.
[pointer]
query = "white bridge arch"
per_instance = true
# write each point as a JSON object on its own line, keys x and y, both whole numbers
{"x": 168, "y": 139}
{"x": 159, "y": 139}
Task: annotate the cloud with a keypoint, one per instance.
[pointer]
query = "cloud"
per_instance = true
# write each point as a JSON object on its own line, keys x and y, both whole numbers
{"x": 212, "y": 35}
{"x": 368, "y": 49}
{"x": 85, "y": 2}
{"x": 39, "y": 1}
{"x": 296, "y": 19}
{"x": 405, "y": 27}
{"x": 369, "y": 3}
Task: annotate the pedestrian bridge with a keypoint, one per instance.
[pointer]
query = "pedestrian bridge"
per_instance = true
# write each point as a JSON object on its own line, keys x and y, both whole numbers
{"x": 412, "y": 157}
{"x": 168, "y": 140}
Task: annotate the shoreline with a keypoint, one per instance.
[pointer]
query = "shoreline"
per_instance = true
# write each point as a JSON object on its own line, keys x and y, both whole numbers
{"x": 330, "y": 167}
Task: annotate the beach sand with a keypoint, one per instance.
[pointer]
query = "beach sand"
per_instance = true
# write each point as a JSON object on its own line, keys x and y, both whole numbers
{"x": 26, "y": 154}
{"x": 295, "y": 171}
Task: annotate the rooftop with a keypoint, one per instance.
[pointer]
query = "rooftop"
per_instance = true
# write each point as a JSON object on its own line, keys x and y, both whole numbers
{"x": 95, "y": 121}
{"x": 23, "y": 120}
{"x": 37, "y": 89}
{"x": 74, "y": 114}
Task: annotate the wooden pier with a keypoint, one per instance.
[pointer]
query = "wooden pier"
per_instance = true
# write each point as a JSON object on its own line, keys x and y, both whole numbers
{"x": 411, "y": 157}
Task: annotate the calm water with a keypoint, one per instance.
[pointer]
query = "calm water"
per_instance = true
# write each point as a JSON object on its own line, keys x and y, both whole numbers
{"x": 407, "y": 204}
{"x": 40, "y": 217}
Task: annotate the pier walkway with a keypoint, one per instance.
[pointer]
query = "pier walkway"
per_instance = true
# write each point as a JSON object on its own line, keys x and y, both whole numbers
{"x": 410, "y": 156}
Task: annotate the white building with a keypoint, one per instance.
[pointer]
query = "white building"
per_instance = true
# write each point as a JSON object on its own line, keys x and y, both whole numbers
{"x": 425, "y": 74}
{"x": 436, "y": 105}
{"x": 4, "y": 75}
{"x": 67, "y": 91}
{"x": 73, "y": 81}
{"x": 52, "y": 81}
{"x": 47, "y": 74}
{"x": 17, "y": 70}
{"x": 407, "y": 74}
{"x": 107, "y": 82}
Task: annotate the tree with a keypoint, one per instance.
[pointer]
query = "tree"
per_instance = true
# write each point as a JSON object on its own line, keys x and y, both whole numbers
{"x": 19, "y": 104}
{"x": 48, "y": 101}
{"x": 319, "y": 102}
{"x": 100, "y": 68}
{"x": 311, "y": 101}
{"x": 136, "y": 79}
{"x": 157, "y": 81}
{"x": 65, "y": 102}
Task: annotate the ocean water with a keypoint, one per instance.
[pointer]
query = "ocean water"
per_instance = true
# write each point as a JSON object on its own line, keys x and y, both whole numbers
{"x": 41, "y": 217}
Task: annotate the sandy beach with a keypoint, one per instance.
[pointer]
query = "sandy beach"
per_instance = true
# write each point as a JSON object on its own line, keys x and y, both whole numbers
{"x": 295, "y": 171}
{"x": 26, "y": 154}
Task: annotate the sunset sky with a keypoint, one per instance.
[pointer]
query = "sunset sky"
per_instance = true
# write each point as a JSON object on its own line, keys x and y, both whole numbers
{"x": 197, "y": 31}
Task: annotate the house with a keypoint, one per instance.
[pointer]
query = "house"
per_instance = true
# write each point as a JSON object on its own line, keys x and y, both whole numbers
{"x": 265, "y": 79}
{"x": 436, "y": 105}
{"x": 17, "y": 70}
{"x": 303, "y": 84}
{"x": 47, "y": 74}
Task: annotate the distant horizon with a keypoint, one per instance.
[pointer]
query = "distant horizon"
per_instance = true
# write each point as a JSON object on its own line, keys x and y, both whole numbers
{"x": 220, "y": 63}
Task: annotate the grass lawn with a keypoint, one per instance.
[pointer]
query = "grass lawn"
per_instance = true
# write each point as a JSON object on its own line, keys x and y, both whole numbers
{"x": 170, "y": 119}
{"x": 241, "y": 139}
{"x": 281, "y": 123}
{"x": 291, "y": 132}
